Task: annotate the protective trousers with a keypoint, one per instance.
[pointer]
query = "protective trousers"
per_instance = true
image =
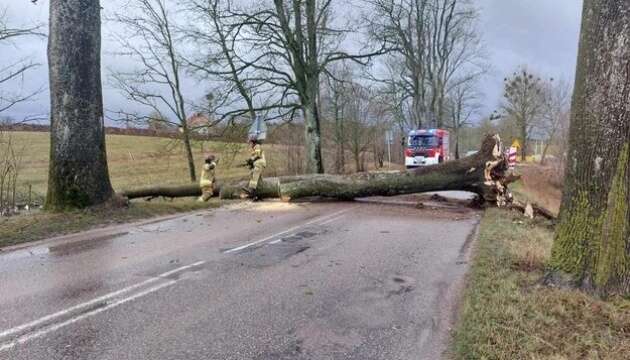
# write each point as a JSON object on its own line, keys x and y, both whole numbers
{"x": 206, "y": 193}
{"x": 255, "y": 177}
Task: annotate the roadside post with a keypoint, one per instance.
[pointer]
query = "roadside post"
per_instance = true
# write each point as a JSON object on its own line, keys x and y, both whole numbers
{"x": 517, "y": 145}
{"x": 512, "y": 154}
{"x": 389, "y": 140}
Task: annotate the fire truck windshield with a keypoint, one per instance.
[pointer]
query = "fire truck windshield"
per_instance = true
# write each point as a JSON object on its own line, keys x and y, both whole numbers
{"x": 423, "y": 141}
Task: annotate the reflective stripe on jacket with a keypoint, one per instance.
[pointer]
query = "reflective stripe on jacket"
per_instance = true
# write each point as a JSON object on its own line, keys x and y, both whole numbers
{"x": 207, "y": 175}
{"x": 259, "y": 155}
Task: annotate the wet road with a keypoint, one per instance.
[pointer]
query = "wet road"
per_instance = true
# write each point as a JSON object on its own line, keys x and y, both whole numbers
{"x": 254, "y": 281}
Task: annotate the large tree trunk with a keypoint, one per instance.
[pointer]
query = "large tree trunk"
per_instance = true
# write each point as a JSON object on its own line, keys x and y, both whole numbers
{"x": 456, "y": 143}
{"x": 189, "y": 154}
{"x": 483, "y": 173}
{"x": 340, "y": 161}
{"x": 78, "y": 174}
{"x": 524, "y": 147}
{"x": 592, "y": 242}
{"x": 312, "y": 139}
{"x": 314, "y": 160}
{"x": 544, "y": 151}
{"x": 340, "y": 137}
{"x": 356, "y": 154}
{"x": 439, "y": 122}
{"x": 417, "y": 104}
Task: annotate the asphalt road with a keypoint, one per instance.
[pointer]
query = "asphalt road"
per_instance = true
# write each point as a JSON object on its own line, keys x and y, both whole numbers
{"x": 256, "y": 281}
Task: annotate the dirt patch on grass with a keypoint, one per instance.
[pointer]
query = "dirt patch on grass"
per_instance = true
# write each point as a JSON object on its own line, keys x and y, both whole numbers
{"x": 507, "y": 314}
{"x": 542, "y": 185}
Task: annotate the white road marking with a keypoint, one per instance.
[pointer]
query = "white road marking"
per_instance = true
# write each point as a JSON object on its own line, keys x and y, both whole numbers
{"x": 56, "y": 326}
{"x": 333, "y": 219}
{"x": 312, "y": 222}
{"x": 24, "y": 338}
{"x": 96, "y": 301}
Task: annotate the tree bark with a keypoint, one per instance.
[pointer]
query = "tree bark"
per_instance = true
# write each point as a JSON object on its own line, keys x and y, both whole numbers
{"x": 544, "y": 152}
{"x": 78, "y": 173}
{"x": 456, "y": 133}
{"x": 417, "y": 108}
{"x": 592, "y": 240}
{"x": 314, "y": 160}
{"x": 483, "y": 173}
{"x": 189, "y": 154}
{"x": 340, "y": 136}
{"x": 524, "y": 147}
{"x": 312, "y": 139}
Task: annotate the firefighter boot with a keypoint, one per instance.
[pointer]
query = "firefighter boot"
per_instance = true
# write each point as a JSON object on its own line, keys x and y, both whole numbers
{"x": 245, "y": 192}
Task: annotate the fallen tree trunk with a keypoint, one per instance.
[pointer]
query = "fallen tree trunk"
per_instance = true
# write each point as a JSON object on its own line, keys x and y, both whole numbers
{"x": 484, "y": 173}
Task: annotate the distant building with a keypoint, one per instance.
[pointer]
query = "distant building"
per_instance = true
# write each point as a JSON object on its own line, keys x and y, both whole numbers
{"x": 198, "y": 123}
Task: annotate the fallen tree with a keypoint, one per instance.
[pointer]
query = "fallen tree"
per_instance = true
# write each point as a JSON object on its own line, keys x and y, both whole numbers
{"x": 484, "y": 173}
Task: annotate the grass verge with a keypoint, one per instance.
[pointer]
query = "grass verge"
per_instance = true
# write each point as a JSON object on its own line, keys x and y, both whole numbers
{"x": 24, "y": 228}
{"x": 507, "y": 314}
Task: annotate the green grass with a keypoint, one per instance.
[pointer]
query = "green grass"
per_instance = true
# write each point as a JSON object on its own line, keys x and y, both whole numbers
{"x": 508, "y": 314}
{"x": 24, "y": 228}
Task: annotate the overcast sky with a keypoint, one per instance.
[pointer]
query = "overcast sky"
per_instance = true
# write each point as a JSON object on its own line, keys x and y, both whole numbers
{"x": 542, "y": 34}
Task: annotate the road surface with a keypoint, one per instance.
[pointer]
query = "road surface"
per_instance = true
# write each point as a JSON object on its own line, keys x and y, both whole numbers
{"x": 258, "y": 281}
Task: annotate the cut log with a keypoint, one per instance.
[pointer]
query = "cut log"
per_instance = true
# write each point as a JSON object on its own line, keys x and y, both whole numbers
{"x": 484, "y": 173}
{"x": 165, "y": 191}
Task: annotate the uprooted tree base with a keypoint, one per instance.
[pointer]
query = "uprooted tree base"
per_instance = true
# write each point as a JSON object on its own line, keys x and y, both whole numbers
{"x": 485, "y": 173}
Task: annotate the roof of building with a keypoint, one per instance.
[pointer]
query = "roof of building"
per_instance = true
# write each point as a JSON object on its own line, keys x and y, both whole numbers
{"x": 197, "y": 120}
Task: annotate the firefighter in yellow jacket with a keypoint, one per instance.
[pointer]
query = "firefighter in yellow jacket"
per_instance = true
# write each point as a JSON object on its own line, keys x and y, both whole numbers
{"x": 257, "y": 164}
{"x": 206, "y": 181}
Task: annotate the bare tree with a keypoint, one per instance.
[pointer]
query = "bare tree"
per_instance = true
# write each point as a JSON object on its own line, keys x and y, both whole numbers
{"x": 365, "y": 122}
{"x": 14, "y": 72}
{"x": 149, "y": 37}
{"x": 524, "y": 99}
{"x": 158, "y": 122}
{"x": 435, "y": 43}
{"x": 10, "y": 166}
{"x": 288, "y": 45}
{"x": 336, "y": 93}
{"x": 358, "y": 112}
{"x": 215, "y": 33}
{"x": 462, "y": 104}
{"x": 555, "y": 113}
{"x": 78, "y": 173}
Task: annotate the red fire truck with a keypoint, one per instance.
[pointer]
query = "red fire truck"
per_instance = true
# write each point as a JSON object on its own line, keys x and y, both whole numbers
{"x": 426, "y": 147}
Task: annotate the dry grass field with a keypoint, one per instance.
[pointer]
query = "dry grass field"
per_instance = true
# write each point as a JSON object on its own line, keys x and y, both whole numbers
{"x": 539, "y": 184}
{"x": 136, "y": 161}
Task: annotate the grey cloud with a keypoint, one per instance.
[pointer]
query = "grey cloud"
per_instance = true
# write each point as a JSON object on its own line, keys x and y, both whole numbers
{"x": 540, "y": 33}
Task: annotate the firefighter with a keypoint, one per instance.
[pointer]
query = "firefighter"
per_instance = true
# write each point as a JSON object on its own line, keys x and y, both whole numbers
{"x": 257, "y": 164}
{"x": 206, "y": 181}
